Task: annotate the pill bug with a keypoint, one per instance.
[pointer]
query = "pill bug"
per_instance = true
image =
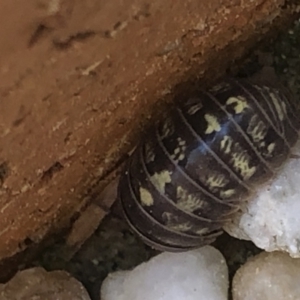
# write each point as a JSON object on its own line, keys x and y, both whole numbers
{"x": 210, "y": 153}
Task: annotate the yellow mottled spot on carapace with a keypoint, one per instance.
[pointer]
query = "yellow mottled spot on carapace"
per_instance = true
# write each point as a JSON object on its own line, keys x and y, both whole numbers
{"x": 167, "y": 128}
{"x": 181, "y": 227}
{"x": 172, "y": 222}
{"x": 161, "y": 179}
{"x": 241, "y": 163}
{"x": 202, "y": 231}
{"x": 187, "y": 227}
{"x": 146, "y": 197}
{"x": 262, "y": 144}
{"x": 149, "y": 153}
{"x": 216, "y": 181}
{"x": 181, "y": 156}
{"x": 226, "y": 144}
{"x": 181, "y": 142}
{"x": 281, "y": 111}
{"x": 257, "y": 129}
{"x": 240, "y": 103}
{"x": 271, "y": 148}
{"x": 179, "y": 152}
{"x": 167, "y": 216}
{"x": 194, "y": 108}
{"x": 188, "y": 202}
{"x": 212, "y": 124}
{"x": 227, "y": 193}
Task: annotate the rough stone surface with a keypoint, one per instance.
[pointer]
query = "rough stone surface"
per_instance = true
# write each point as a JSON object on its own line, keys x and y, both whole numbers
{"x": 38, "y": 284}
{"x": 268, "y": 276}
{"x": 197, "y": 274}
{"x": 78, "y": 77}
{"x": 271, "y": 219}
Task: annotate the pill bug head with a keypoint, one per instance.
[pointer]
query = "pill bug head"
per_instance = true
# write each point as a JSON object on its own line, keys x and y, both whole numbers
{"x": 195, "y": 167}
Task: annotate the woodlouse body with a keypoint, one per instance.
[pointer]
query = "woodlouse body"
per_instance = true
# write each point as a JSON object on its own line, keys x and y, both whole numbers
{"x": 210, "y": 153}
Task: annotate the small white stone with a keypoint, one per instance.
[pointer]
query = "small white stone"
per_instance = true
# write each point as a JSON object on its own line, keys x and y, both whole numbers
{"x": 271, "y": 219}
{"x": 268, "y": 276}
{"x": 192, "y": 275}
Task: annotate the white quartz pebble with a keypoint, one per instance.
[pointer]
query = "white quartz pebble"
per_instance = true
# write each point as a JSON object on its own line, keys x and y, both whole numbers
{"x": 192, "y": 275}
{"x": 271, "y": 220}
{"x": 268, "y": 276}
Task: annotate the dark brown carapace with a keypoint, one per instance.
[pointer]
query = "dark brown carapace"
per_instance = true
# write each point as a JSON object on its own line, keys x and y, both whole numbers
{"x": 208, "y": 155}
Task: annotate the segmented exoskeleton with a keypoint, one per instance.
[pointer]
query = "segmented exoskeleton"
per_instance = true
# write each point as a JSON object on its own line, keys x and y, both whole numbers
{"x": 211, "y": 152}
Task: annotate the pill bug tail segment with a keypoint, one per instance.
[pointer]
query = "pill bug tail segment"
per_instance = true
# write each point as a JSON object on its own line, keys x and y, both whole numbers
{"x": 197, "y": 165}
